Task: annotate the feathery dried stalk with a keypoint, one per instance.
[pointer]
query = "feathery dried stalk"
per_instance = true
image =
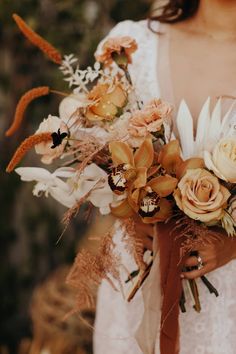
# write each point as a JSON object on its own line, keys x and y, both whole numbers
{"x": 89, "y": 158}
{"x": 89, "y": 270}
{"x": 134, "y": 242}
{"x": 194, "y": 234}
{"x": 22, "y": 105}
{"x": 38, "y": 41}
{"x": 25, "y": 146}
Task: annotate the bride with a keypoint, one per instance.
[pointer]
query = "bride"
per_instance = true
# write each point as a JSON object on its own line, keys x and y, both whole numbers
{"x": 187, "y": 51}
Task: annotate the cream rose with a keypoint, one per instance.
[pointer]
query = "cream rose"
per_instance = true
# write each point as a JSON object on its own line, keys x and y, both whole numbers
{"x": 200, "y": 196}
{"x": 222, "y": 160}
{"x": 51, "y": 124}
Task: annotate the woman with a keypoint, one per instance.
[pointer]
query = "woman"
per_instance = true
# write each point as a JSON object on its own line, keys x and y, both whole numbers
{"x": 186, "y": 52}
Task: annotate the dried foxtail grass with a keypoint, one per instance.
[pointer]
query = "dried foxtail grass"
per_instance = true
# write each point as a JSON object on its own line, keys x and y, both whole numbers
{"x": 25, "y": 146}
{"x": 22, "y": 105}
{"x": 37, "y": 40}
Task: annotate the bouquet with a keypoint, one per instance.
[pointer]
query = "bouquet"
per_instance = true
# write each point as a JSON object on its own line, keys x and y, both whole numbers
{"x": 120, "y": 155}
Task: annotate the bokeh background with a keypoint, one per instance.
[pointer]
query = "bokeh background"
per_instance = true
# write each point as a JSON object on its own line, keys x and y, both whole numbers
{"x": 29, "y": 226}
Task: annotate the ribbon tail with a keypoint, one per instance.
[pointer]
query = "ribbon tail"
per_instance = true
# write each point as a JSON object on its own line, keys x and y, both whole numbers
{"x": 171, "y": 285}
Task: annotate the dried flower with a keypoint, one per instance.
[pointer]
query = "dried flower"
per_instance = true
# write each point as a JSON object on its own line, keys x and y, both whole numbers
{"x": 122, "y": 46}
{"x": 27, "y": 145}
{"x": 107, "y": 101}
{"x": 22, "y": 105}
{"x": 50, "y": 152}
{"x": 150, "y": 119}
{"x": 90, "y": 269}
{"x": 37, "y": 40}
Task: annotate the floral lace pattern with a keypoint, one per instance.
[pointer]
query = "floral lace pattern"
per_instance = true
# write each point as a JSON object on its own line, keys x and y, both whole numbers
{"x": 118, "y": 324}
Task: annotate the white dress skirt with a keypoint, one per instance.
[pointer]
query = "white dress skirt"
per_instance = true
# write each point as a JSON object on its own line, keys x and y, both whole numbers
{"x": 133, "y": 328}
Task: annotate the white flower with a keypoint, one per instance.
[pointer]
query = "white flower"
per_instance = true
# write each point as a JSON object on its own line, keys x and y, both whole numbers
{"x": 211, "y": 128}
{"x": 70, "y": 105}
{"x": 222, "y": 160}
{"x": 52, "y": 124}
{"x": 91, "y": 182}
{"x": 50, "y": 183}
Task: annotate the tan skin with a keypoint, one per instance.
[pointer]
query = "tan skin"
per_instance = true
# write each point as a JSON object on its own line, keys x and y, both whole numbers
{"x": 207, "y": 51}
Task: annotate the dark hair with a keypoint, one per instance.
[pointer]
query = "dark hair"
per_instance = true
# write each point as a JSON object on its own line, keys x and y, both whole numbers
{"x": 176, "y": 10}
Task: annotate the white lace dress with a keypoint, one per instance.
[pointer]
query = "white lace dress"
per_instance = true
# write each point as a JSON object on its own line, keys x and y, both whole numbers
{"x": 133, "y": 328}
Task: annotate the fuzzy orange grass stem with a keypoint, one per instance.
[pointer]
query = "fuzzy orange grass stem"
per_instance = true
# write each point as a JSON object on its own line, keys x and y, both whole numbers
{"x": 37, "y": 40}
{"x": 25, "y": 146}
{"x": 22, "y": 105}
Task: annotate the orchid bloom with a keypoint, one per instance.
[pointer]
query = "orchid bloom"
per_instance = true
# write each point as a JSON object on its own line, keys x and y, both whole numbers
{"x": 49, "y": 183}
{"x": 145, "y": 197}
{"x": 92, "y": 182}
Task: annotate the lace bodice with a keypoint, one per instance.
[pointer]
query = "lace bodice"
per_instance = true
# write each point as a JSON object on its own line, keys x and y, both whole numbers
{"x": 133, "y": 328}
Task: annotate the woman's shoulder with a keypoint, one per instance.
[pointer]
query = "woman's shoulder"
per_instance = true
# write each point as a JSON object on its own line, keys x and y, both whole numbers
{"x": 136, "y": 29}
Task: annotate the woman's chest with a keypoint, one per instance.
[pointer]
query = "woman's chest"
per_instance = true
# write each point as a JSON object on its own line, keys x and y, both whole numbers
{"x": 201, "y": 68}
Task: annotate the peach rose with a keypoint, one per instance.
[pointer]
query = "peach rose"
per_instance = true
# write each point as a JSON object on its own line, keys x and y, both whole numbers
{"x": 150, "y": 119}
{"x": 200, "y": 196}
{"x": 222, "y": 160}
{"x": 119, "y": 45}
{"x": 51, "y": 124}
{"x": 107, "y": 102}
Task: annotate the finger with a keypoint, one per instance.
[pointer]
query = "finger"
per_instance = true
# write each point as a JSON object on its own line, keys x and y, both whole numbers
{"x": 148, "y": 229}
{"x": 193, "y": 274}
{"x": 148, "y": 243}
{"x": 144, "y": 229}
{"x": 191, "y": 262}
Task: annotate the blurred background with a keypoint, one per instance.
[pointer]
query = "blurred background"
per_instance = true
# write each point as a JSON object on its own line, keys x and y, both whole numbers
{"x": 32, "y": 262}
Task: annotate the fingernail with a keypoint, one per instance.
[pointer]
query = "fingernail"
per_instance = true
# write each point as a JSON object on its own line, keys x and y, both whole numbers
{"x": 182, "y": 276}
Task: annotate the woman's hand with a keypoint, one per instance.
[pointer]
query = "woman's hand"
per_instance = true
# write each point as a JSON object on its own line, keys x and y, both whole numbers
{"x": 213, "y": 255}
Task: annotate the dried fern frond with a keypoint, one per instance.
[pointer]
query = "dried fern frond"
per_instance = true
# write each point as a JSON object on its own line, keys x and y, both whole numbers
{"x": 194, "y": 234}
{"x": 25, "y": 146}
{"x": 38, "y": 41}
{"x": 22, "y": 105}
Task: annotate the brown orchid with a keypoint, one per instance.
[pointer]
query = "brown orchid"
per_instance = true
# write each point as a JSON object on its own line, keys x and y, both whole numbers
{"x": 170, "y": 159}
{"x": 144, "y": 195}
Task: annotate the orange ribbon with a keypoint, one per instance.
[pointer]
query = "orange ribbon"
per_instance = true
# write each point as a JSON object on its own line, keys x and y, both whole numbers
{"x": 171, "y": 285}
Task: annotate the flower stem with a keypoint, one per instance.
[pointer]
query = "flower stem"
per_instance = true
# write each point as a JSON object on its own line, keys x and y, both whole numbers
{"x": 194, "y": 290}
{"x": 209, "y": 286}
